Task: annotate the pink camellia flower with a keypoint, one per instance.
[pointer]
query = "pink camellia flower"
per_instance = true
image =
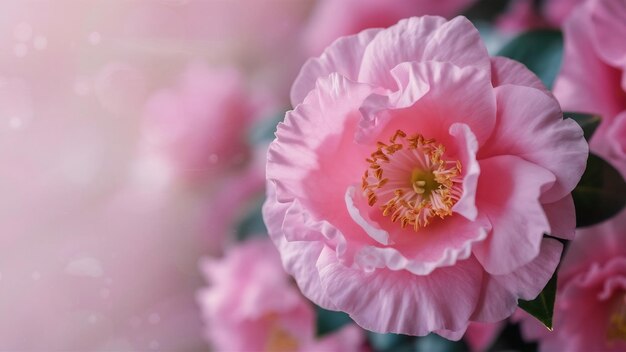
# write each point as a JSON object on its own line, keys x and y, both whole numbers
{"x": 413, "y": 182}
{"x": 332, "y": 19}
{"x": 590, "y": 309}
{"x": 251, "y": 305}
{"x": 199, "y": 126}
{"x": 593, "y": 75}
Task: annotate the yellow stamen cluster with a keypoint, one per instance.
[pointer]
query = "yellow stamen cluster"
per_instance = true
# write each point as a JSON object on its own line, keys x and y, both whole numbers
{"x": 411, "y": 181}
{"x": 279, "y": 339}
{"x": 617, "y": 322}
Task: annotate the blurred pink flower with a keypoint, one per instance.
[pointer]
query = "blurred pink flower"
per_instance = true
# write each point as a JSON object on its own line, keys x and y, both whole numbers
{"x": 332, "y": 19}
{"x": 200, "y": 125}
{"x": 524, "y": 15}
{"x": 480, "y": 336}
{"x": 593, "y": 75}
{"x": 235, "y": 196}
{"x": 590, "y": 309}
{"x": 251, "y": 305}
{"x": 413, "y": 182}
{"x": 521, "y": 16}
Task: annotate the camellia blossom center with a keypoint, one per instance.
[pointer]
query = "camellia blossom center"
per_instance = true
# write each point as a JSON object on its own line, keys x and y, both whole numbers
{"x": 410, "y": 181}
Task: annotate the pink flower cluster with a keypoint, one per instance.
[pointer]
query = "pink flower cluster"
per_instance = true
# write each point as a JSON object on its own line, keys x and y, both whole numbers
{"x": 413, "y": 182}
{"x": 251, "y": 305}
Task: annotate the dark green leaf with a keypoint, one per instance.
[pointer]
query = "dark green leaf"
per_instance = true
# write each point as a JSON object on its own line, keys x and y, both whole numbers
{"x": 329, "y": 321}
{"x": 251, "y": 224}
{"x": 542, "y": 307}
{"x": 436, "y": 343}
{"x": 540, "y": 50}
{"x": 600, "y": 194}
{"x": 588, "y": 122}
{"x": 390, "y": 342}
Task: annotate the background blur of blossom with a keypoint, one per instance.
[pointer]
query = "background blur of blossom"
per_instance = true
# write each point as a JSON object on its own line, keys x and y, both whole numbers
{"x": 131, "y": 148}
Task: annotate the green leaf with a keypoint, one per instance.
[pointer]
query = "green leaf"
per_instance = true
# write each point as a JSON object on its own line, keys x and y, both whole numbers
{"x": 329, "y": 321}
{"x": 251, "y": 223}
{"x": 542, "y": 307}
{"x": 588, "y": 122}
{"x": 263, "y": 131}
{"x": 600, "y": 194}
{"x": 540, "y": 50}
{"x": 390, "y": 342}
{"x": 436, "y": 343}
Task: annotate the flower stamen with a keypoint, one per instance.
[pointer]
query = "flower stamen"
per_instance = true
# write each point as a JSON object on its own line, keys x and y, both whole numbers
{"x": 410, "y": 181}
{"x": 617, "y": 322}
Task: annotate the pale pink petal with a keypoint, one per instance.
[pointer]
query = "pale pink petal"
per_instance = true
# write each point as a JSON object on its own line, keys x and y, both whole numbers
{"x": 343, "y": 56}
{"x": 500, "y": 292}
{"x": 451, "y": 335}
{"x": 400, "y": 302}
{"x": 510, "y": 186}
{"x": 296, "y": 256}
{"x": 308, "y": 151}
{"x": 586, "y": 83}
{"x": 431, "y": 97}
{"x": 439, "y": 245}
{"x": 456, "y": 42}
{"x": 559, "y": 213}
{"x": 608, "y": 19}
{"x": 537, "y": 133}
{"x": 507, "y": 71}
{"x": 466, "y": 205}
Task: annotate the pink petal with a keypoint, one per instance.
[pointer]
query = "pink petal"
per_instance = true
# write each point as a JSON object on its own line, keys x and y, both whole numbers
{"x": 586, "y": 83}
{"x": 500, "y": 292}
{"x": 431, "y": 97}
{"x": 507, "y": 71}
{"x": 441, "y": 244}
{"x": 343, "y": 56}
{"x": 608, "y": 18}
{"x": 536, "y": 132}
{"x": 466, "y": 205}
{"x": 420, "y": 39}
{"x": 400, "y": 302}
{"x": 508, "y": 193}
{"x": 296, "y": 256}
{"x": 309, "y": 152}
{"x": 559, "y": 213}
